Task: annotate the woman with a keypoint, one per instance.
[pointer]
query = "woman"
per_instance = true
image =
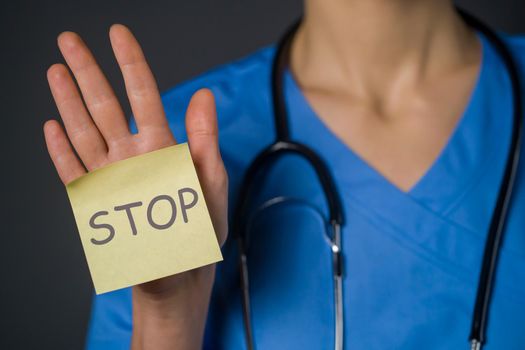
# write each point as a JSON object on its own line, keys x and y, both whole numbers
{"x": 410, "y": 108}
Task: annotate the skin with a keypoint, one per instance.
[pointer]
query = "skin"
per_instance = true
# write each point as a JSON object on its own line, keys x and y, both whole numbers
{"x": 392, "y": 94}
{"x": 171, "y": 310}
{"x": 390, "y": 79}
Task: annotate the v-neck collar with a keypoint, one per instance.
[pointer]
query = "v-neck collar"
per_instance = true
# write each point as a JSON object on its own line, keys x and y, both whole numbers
{"x": 472, "y": 160}
{"x": 459, "y": 163}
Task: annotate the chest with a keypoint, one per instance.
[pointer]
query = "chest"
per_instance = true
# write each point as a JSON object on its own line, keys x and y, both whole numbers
{"x": 410, "y": 275}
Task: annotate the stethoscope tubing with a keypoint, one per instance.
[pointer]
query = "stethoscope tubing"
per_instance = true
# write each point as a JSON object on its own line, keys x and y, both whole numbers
{"x": 499, "y": 216}
{"x": 283, "y": 145}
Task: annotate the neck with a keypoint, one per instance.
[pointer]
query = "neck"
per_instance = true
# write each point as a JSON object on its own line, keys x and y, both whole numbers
{"x": 365, "y": 47}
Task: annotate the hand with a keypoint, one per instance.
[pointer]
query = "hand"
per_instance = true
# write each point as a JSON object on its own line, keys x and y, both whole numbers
{"x": 100, "y": 135}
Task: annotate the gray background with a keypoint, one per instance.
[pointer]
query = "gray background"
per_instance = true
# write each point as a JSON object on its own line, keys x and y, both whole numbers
{"x": 45, "y": 285}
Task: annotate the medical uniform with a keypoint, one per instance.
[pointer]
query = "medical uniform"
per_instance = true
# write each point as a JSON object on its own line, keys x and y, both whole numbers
{"x": 411, "y": 259}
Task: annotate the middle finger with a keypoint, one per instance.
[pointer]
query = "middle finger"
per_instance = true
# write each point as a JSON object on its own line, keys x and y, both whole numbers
{"x": 140, "y": 83}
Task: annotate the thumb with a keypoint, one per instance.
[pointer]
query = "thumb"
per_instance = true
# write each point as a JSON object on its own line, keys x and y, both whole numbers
{"x": 202, "y": 131}
{"x": 203, "y": 139}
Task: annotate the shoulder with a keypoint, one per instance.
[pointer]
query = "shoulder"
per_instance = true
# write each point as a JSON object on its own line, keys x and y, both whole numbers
{"x": 236, "y": 85}
{"x": 247, "y": 67}
{"x": 515, "y": 41}
{"x": 244, "y": 111}
{"x": 516, "y": 45}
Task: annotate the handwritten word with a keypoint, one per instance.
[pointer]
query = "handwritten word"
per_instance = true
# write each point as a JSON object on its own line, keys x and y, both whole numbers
{"x": 183, "y": 204}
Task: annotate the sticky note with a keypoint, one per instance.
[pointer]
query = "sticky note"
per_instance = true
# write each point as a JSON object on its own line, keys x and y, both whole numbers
{"x": 143, "y": 218}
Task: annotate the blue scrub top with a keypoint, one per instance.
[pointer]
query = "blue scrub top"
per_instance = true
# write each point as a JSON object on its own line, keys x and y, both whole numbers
{"x": 411, "y": 259}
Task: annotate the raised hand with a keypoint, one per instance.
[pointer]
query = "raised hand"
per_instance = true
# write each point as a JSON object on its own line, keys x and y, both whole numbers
{"x": 96, "y": 128}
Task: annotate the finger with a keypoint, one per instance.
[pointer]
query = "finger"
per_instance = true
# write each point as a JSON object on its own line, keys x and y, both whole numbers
{"x": 80, "y": 128}
{"x": 202, "y": 130}
{"x": 66, "y": 162}
{"x": 98, "y": 94}
{"x": 140, "y": 83}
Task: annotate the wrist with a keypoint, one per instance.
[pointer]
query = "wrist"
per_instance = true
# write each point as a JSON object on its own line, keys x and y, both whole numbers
{"x": 172, "y": 314}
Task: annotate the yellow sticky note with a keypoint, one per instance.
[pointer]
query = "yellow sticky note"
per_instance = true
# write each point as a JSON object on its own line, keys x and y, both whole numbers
{"x": 143, "y": 218}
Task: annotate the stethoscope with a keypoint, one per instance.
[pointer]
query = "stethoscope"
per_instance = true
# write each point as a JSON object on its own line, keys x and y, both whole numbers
{"x": 284, "y": 145}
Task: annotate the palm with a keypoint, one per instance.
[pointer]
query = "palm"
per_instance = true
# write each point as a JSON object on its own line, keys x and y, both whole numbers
{"x": 96, "y": 127}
